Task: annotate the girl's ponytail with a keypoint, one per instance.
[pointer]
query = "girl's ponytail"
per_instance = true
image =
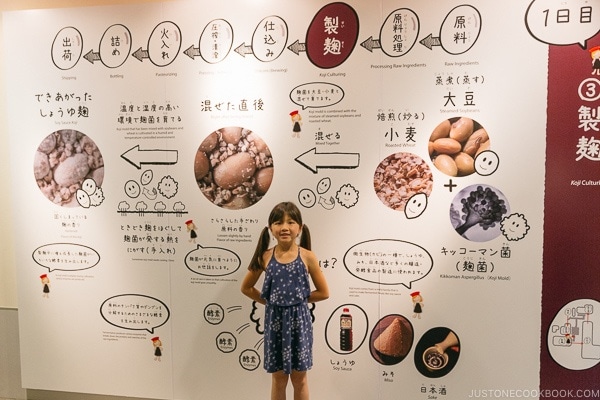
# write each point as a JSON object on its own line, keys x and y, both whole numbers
{"x": 305, "y": 238}
{"x": 256, "y": 263}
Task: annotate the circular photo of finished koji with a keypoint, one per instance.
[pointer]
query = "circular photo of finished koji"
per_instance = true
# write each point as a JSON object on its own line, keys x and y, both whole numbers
{"x": 455, "y": 143}
{"x": 63, "y": 161}
{"x": 477, "y": 211}
{"x": 399, "y": 177}
{"x": 233, "y": 167}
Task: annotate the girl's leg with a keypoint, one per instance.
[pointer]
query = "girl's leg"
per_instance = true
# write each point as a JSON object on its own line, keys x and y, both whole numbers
{"x": 278, "y": 384}
{"x": 300, "y": 384}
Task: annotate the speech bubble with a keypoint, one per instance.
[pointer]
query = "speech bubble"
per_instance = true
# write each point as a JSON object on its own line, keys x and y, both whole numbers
{"x": 388, "y": 262}
{"x": 562, "y": 22}
{"x": 65, "y": 257}
{"x": 135, "y": 312}
{"x": 212, "y": 261}
{"x": 316, "y": 95}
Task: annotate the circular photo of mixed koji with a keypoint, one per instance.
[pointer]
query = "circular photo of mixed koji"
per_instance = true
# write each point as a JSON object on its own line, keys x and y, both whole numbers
{"x": 477, "y": 211}
{"x": 63, "y": 161}
{"x": 399, "y": 177}
{"x": 233, "y": 167}
{"x": 454, "y": 144}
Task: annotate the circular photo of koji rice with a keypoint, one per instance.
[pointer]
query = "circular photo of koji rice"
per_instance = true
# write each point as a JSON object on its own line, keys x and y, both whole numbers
{"x": 233, "y": 167}
{"x": 454, "y": 144}
{"x": 63, "y": 160}
{"x": 399, "y": 177}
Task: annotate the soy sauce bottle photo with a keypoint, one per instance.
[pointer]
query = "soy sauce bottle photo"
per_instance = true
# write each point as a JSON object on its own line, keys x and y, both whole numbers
{"x": 346, "y": 330}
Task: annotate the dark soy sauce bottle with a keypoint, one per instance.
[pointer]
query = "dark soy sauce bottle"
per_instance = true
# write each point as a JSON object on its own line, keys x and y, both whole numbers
{"x": 346, "y": 330}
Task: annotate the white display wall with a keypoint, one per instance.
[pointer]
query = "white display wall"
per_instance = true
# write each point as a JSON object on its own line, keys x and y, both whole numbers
{"x": 149, "y": 143}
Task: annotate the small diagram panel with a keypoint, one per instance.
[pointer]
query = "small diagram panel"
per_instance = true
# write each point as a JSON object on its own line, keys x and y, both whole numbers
{"x": 571, "y": 339}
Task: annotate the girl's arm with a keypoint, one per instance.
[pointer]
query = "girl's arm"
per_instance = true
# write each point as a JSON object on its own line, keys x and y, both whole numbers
{"x": 321, "y": 291}
{"x": 248, "y": 285}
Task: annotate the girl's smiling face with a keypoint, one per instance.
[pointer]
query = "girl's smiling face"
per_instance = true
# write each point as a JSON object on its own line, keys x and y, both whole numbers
{"x": 285, "y": 230}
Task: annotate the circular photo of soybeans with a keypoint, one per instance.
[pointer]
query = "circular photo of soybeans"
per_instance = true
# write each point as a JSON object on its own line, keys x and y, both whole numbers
{"x": 401, "y": 176}
{"x": 233, "y": 167}
{"x": 64, "y": 160}
{"x": 455, "y": 143}
{"x": 477, "y": 211}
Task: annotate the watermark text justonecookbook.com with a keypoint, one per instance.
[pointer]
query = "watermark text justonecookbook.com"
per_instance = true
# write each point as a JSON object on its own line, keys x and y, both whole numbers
{"x": 535, "y": 393}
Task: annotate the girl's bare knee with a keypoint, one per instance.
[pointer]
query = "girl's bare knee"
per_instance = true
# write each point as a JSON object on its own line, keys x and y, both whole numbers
{"x": 280, "y": 379}
{"x": 299, "y": 378}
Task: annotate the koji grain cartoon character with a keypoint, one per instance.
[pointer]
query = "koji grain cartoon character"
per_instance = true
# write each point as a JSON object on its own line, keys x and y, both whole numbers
{"x": 297, "y": 121}
{"x": 595, "y": 53}
{"x": 45, "y": 285}
{"x": 157, "y": 348}
{"x": 191, "y": 228}
{"x": 417, "y": 300}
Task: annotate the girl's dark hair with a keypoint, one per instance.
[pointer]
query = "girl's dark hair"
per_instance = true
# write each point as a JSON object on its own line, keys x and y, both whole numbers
{"x": 277, "y": 214}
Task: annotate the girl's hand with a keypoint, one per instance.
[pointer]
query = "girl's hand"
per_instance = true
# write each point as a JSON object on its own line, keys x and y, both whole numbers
{"x": 248, "y": 285}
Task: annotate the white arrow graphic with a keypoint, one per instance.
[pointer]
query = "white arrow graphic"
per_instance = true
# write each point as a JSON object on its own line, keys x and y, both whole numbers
{"x": 137, "y": 157}
{"x": 313, "y": 160}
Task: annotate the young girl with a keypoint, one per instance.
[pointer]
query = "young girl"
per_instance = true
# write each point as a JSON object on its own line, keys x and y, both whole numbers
{"x": 286, "y": 293}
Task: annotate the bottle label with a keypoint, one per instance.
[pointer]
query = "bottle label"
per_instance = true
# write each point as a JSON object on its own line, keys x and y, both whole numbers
{"x": 346, "y": 323}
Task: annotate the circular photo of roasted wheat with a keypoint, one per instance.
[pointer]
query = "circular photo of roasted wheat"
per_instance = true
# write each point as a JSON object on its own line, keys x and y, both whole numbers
{"x": 455, "y": 143}
{"x": 399, "y": 177}
{"x": 233, "y": 167}
{"x": 63, "y": 161}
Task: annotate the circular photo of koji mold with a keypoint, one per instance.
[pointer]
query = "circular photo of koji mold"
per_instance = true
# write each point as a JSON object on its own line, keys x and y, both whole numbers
{"x": 391, "y": 339}
{"x": 233, "y": 167}
{"x": 399, "y": 177}
{"x": 454, "y": 144}
{"x": 63, "y": 160}
{"x": 477, "y": 211}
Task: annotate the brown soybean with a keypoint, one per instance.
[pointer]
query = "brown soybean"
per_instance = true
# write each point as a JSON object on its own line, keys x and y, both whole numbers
{"x": 441, "y": 131}
{"x": 483, "y": 147}
{"x": 480, "y": 133}
{"x": 461, "y": 129}
{"x": 231, "y": 134}
{"x": 446, "y": 165}
{"x": 234, "y": 170}
{"x": 201, "y": 165}
{"x": 446, "y": 146}
{"x": 264, "y": 177}
{"x": 464, "y": 164}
